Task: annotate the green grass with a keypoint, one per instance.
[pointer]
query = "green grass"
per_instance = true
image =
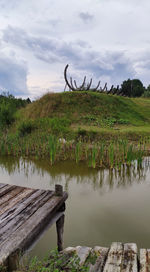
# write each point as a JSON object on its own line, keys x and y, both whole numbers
{"x": 90, "y": 114}
{"x": 79, "y": 105}
{"x": 80, "y": 126}
{"x": 57, "y": 262}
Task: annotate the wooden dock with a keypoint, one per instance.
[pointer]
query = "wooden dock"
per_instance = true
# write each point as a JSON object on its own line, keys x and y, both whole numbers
{"x": 118, "y": 258}
{"x": 24, "y": 213}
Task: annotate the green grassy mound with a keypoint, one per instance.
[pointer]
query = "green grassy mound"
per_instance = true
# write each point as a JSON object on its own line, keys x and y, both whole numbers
{"x": 91, "y": 108}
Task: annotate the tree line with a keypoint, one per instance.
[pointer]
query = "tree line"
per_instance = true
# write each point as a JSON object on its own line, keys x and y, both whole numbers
{"x": 134, "y": 88}
{"x": 8, "y": 107}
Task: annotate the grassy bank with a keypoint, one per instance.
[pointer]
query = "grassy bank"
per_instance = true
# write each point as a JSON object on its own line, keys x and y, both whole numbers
{"x": 103, "y": 130}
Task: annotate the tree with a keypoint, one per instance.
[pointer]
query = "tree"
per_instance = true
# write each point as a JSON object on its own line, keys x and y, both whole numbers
{"x": 148, "y": 88}
{"x": 132, "y": 88}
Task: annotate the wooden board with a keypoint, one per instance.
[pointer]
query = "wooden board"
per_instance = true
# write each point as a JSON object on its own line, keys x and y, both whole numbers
{"x": 11, "y": 203}
{"x": 144, "y": 260}
{"x": 5, "y": 189}
{"x": 129, "y": 262}
{"x": 102, "y": 253}
{"x": 24, "y": 213}
{"x": 17, "y": 220}
{"x": 114, "y": 259}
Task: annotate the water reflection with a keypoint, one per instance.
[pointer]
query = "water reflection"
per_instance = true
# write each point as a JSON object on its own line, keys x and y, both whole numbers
{"x": 67, "y": 172}
{"x": 103, "y": 205}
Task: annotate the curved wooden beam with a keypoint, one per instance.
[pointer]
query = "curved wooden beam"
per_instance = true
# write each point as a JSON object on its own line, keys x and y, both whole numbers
{"x": 100, "y": 90}
{"x": 105, "y": 87}
{"x": 89, "y": 85}
{"x": 95, "y": 89}
{"x": 77, "y": 88}
{"x": 83, "y": 84}
{"x": 65, "y": 76}
{"x": 110, "y": 89}
{"x": 71, "y": 83}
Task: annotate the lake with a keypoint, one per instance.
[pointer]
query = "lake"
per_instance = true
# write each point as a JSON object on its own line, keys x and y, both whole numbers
{"x": 103, "y": 205}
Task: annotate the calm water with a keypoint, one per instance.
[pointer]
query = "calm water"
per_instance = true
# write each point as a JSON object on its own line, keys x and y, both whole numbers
{"x": 103, "y": 205}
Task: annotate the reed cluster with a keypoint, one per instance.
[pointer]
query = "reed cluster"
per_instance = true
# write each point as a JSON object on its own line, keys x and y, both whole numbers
{"x": 101, "y": 154}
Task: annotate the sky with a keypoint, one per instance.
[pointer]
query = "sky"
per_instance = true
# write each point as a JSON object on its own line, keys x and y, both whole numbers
{"x": 108, "y": 40}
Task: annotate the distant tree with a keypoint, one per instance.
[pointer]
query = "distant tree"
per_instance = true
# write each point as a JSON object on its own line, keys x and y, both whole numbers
{"x": 8, "y": 107}
{"x": 148, "y": 88}
{"x": 28, "y": 100}
{"x": 132, "y": 88}
{"x": 146, "y": 92}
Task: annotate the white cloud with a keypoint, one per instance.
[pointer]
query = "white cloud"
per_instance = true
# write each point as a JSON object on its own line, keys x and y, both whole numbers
{"x": 101, "y": 38}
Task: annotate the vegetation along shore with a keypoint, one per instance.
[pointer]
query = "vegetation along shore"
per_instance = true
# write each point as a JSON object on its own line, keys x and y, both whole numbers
{"x": 103, "y": 130}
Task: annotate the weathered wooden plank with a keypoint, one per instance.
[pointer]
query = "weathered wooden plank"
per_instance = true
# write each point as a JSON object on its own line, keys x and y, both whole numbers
{"x": 2, "y": 185}
{"x": 83, "y": 253}
{"x": 102, "y": 253}
{"x": 15, "y": 200}
{"x": 18, "y": 220}
{"x": 69, "y": 250}
{"x": 4, "y": 190}
{"x": 144, "y": 260}
{"x": 129, "y": 262}
{"x": 114, "y": 259}
{"x": 28, "y": 197}
{"x": 10, "y": 195}
{"x": 52, "y": 221}
{"x": 24, "y": 235}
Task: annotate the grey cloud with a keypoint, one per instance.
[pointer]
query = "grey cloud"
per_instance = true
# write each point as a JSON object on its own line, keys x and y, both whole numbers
{"x": 85, "y": 16}
{"x": 114, "y": 65}
{"x": 47, "y": 49}
{"x": 13, "y": 76}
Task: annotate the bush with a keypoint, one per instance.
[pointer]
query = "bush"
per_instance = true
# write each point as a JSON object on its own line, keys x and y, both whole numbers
{"x": 8, "y": 107}
{"x": 59, "y": 125}
{"x": 81, "y": 133}
{"x": 146, "y": 94}
{"x": 26, "y": 127}
{"x": 6, "y": 114}
{"x": 132, "y": 88}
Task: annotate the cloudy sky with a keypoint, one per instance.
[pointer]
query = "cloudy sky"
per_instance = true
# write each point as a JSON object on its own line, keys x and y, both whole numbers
{"x": 104, "y": 39}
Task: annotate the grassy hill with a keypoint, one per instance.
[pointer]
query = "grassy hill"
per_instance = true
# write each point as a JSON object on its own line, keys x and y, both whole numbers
{"x": 78, "y": 105}
{"x": 88, "y": 111}
{"x": 104, "y": 130}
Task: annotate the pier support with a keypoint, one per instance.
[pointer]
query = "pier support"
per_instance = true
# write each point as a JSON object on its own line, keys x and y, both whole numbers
{"x": 60, "y": 231}
{"x": 61, "y": 220}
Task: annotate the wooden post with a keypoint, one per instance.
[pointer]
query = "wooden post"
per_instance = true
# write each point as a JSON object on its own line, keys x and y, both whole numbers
{"x": 58, "y": 190}
{"x": 60, "y": 231}
{"x": 60, "y": 221}
{"x": 13, "y": 261}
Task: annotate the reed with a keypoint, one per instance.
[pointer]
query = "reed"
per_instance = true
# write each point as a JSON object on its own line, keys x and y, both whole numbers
{"x": 100, "y": 154}
{"x": 111, "y": 155}
{"x": 94, "y": 153}
{"x": 52, "y": 148}
{"x": 77, "y": 151}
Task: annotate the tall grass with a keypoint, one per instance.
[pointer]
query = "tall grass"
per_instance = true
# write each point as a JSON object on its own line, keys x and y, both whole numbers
{"x": 101, "y": 154}
{"x": 53, "y": 143}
